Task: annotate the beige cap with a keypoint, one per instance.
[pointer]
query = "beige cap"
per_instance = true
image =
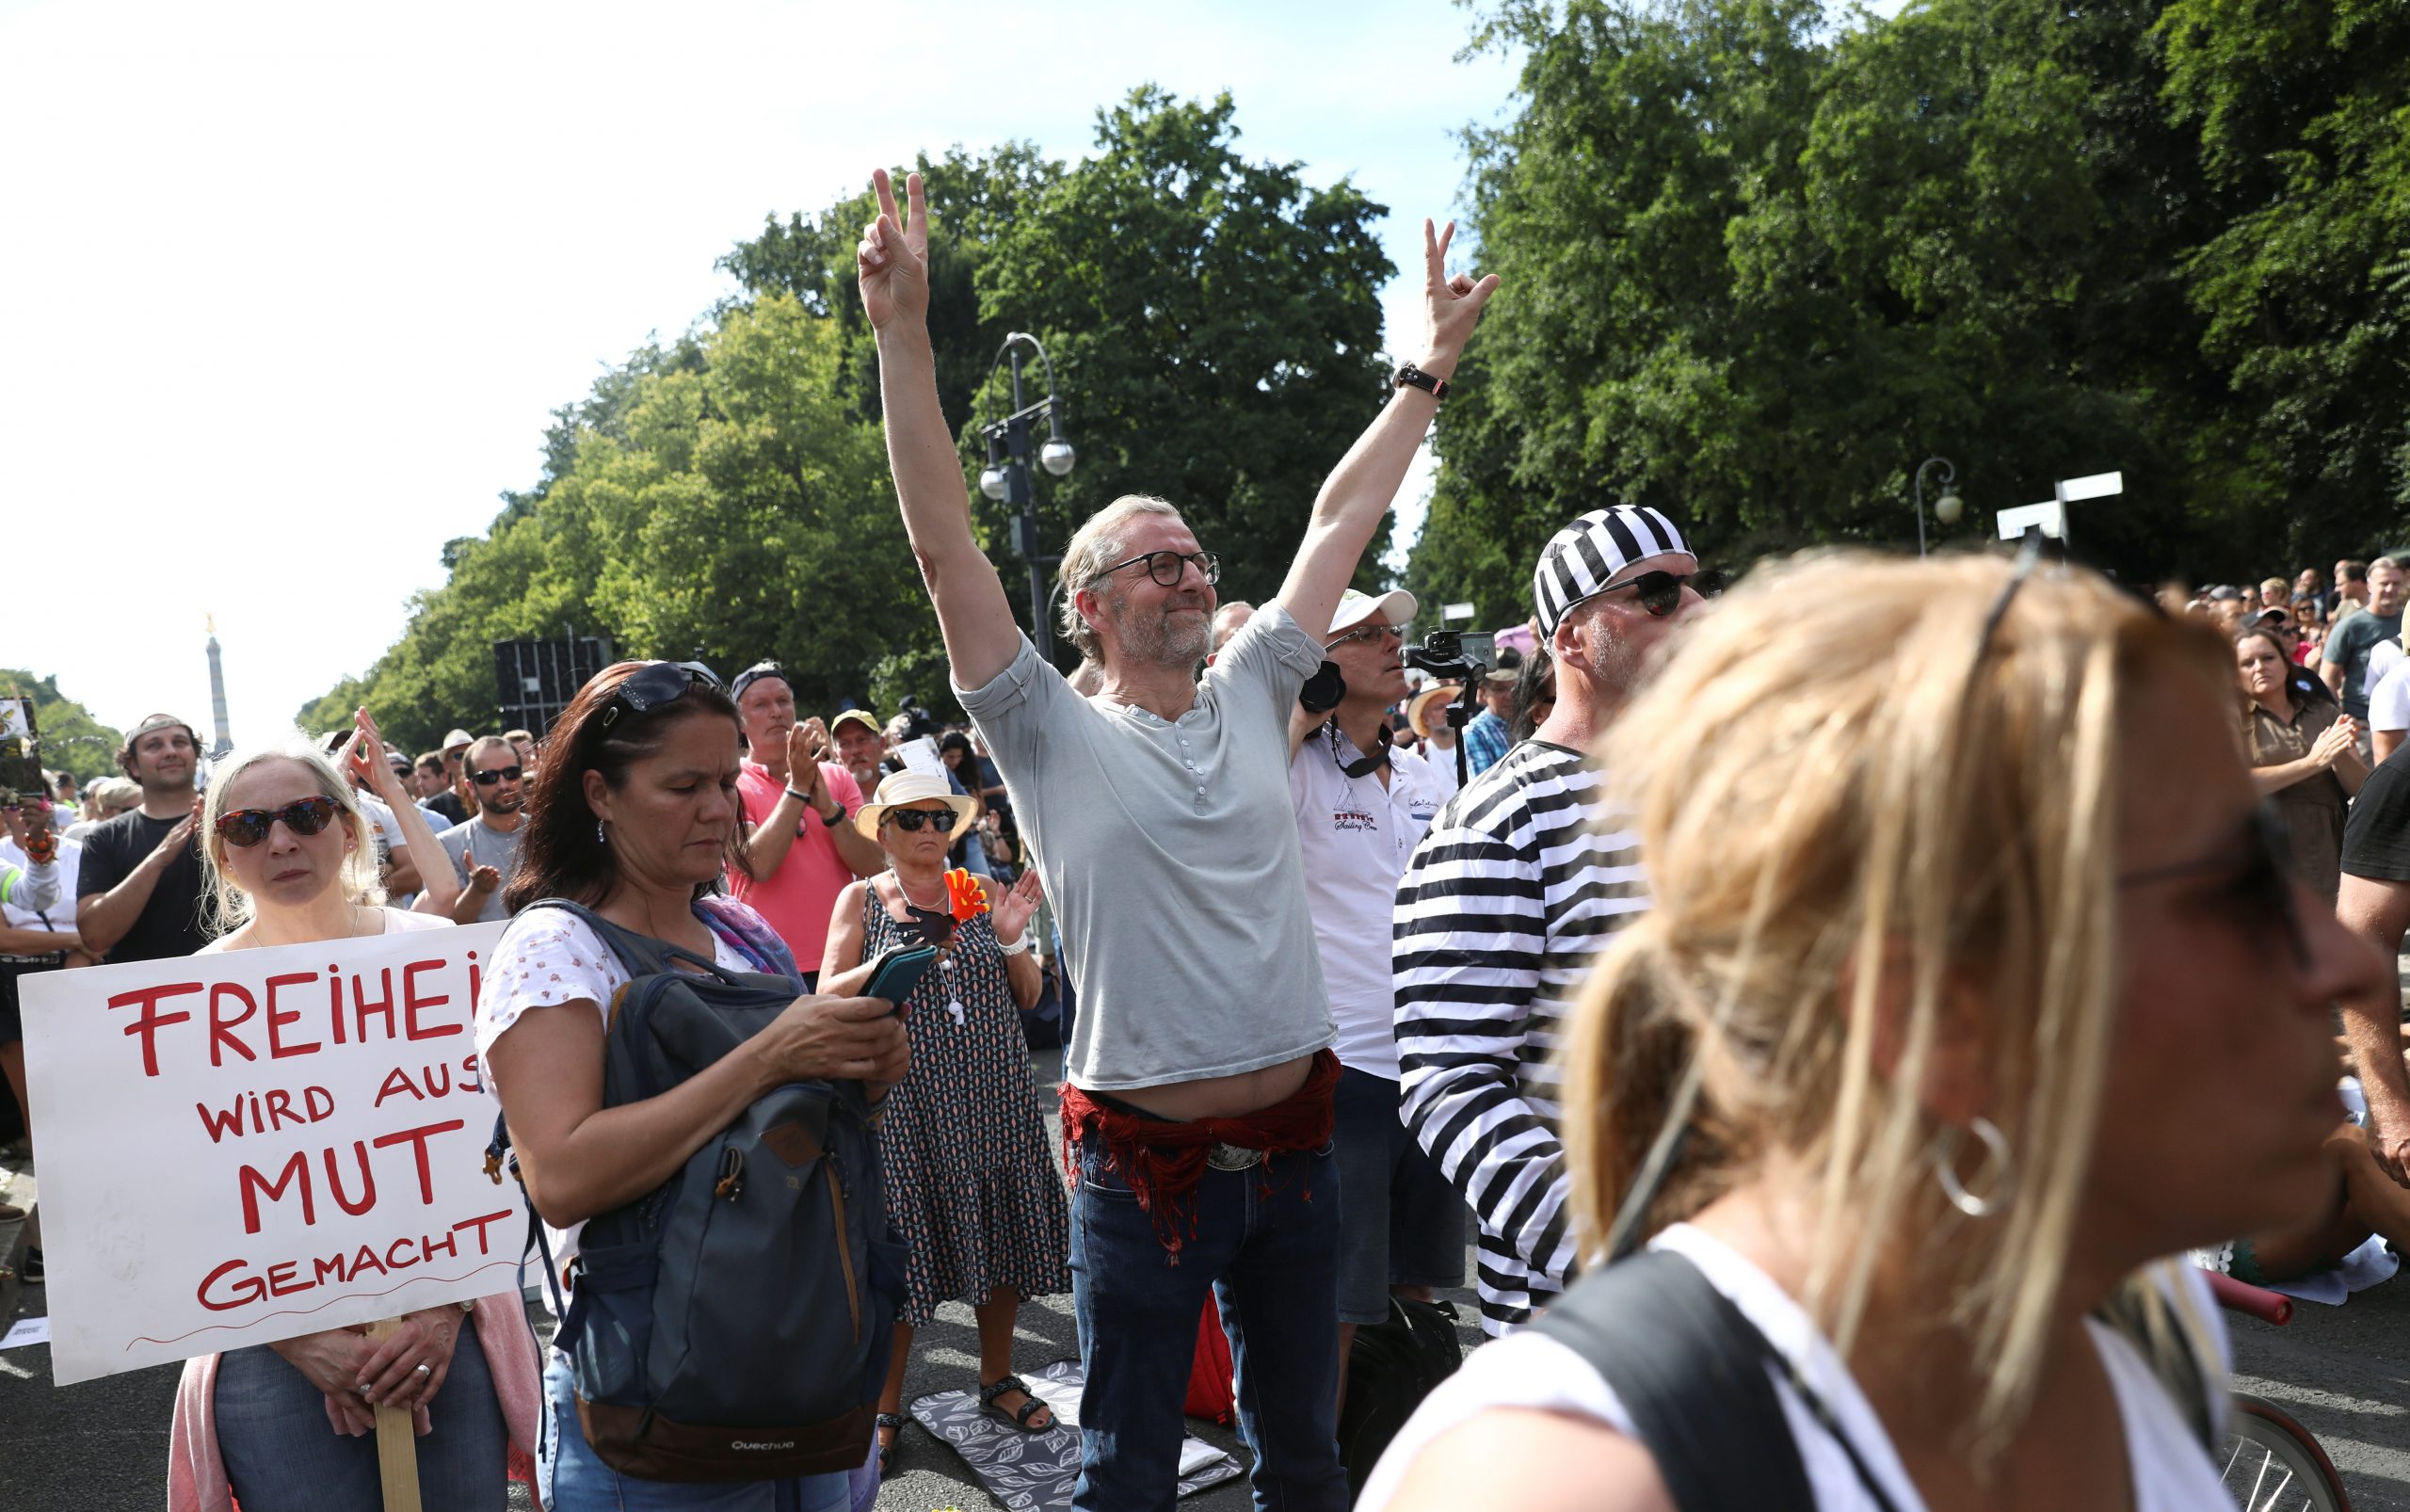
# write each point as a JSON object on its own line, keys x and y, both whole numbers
{"x": 1429, "y": 707}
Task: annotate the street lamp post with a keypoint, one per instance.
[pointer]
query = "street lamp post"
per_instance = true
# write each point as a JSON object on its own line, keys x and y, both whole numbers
{"x": 1948, "y": 507}
{"x": 1006, "y": 480}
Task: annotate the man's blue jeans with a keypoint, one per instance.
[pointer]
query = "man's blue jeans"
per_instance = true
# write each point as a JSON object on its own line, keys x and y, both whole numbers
{"x": 1267, "y": 1243}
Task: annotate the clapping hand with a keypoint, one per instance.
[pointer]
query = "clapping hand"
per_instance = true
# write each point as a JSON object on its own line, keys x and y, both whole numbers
{"x": 805, "y": 743}
{"x": 1451, "y": 304}
{"x": 366, "y": 760}
{"x": 2336, "y": 741}
{"x": 1017, "y": 908}
{"x": 894, "y": 256}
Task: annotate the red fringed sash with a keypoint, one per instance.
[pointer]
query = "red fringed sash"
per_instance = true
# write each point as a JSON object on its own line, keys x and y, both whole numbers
{"x": 1163, "y": 1161}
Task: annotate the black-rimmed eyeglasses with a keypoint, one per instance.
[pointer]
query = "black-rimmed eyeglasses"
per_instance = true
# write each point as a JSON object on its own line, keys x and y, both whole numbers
{"x": 1164, "y": 567}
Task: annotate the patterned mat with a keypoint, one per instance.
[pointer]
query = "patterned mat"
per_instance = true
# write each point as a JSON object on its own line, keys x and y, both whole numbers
{"x": 1035, "y": 1471}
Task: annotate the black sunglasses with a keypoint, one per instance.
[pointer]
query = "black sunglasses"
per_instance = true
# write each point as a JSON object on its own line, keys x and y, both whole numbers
{"x": 1660, "y": 593}
{"x": 1164, "y": 567}
{"x": 499, "y": 774}
{"x": 247, "y": 828}
{"x": 910, "y": 820}
{"x": 656, "y": 684}
{"x": 2262, "y": 881}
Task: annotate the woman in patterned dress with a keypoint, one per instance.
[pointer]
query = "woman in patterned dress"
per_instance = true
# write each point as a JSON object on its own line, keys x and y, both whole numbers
{"x": 969, "y": 1184}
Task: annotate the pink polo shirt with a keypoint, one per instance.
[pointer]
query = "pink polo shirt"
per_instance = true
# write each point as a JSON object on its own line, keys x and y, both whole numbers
{"x": 798, "y": 896}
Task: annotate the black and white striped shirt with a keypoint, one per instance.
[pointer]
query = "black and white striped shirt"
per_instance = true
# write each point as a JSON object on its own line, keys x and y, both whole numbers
{"x": 1500, "y": 911}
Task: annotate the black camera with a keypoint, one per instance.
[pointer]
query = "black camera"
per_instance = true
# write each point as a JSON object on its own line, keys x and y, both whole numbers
{"x": 1443, "y": 654}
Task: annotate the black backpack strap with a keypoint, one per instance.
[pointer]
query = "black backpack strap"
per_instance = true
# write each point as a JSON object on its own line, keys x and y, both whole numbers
{"x": 1692, "y": 1372}
{"x": 641, "y": 954}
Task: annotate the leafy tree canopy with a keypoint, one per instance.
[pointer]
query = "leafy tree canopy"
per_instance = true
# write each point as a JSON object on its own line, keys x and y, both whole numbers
{"x": 71, "y": 739}
{"x": 1756, "y": 271}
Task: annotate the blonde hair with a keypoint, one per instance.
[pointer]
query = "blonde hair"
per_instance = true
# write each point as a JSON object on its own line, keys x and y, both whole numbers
{"x": 230, "y": 907}
{"x": 1097, "y": 545}
{"x": 1925, "y": 799}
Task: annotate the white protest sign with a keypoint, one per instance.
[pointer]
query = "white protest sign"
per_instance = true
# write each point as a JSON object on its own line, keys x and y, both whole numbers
{"x": 249, "y": 1145}
{"x": 922, "y": 755}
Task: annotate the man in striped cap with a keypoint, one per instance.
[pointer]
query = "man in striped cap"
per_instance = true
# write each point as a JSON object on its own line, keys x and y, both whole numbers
{"x": 1515, "y": 859}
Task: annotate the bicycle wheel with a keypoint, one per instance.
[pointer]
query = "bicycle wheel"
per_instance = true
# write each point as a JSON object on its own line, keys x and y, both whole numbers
{"x": 2273, "y": 1464}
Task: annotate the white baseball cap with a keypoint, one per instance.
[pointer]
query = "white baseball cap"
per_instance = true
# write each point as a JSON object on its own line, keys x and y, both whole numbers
{"x": 1395, "y": 607}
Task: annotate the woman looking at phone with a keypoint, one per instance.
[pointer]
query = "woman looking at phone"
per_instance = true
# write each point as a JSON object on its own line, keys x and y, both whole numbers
{"x": 288, "y": 1425}
{"x": 635, "y": 814}
{"x": 963, "y": 1140}
{"x": 1974, "y": 987}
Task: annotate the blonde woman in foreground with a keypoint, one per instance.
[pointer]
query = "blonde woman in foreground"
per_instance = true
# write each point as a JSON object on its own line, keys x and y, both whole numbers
{"x": 1974, "y": 987}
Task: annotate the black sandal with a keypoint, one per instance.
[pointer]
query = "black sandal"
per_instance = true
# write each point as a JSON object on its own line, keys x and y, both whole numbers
{"x": 1031, "y": 1404}
{"x": 887, "y": 1446}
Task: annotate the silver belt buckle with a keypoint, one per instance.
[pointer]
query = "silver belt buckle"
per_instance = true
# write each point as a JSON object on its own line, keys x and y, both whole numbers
{"x": 1233, "y": 1158}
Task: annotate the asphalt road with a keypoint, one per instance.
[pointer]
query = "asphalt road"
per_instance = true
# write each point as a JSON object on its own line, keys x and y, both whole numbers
{"x": 103, "y": 1446}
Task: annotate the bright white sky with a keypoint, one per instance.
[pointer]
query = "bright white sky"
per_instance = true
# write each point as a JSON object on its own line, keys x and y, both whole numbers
{"x": 290, "y": 290}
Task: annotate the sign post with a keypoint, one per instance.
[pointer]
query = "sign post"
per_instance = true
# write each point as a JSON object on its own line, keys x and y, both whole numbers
{"x": 249, "y": 1146}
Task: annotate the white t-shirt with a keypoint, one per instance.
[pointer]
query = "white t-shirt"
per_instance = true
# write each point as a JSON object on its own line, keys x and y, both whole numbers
{"x": 1355, "y": 837}
{"x": 2389, "y": 699}
{"x": 397, "y": 921}
{"x": 2383, "y": 657}
{"x": 2171, "y": 1473}
{"x": 60, "y": 915}
{"x": 549, "y": 957}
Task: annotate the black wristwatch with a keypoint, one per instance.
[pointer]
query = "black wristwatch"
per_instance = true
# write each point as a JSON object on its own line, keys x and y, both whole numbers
{"x": 833, "y": 822}
{"x": 1412, "y": 377}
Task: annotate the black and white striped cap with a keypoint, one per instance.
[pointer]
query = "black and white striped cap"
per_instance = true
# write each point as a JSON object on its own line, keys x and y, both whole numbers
{"x": 1587, "y": 554}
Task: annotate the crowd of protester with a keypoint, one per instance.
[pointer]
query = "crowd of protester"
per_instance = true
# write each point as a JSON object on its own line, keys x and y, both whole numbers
{"x": 1674, "y": 942}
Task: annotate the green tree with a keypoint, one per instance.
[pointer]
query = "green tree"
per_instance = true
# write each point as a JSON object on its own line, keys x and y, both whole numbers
{"x": 1756, "y": 270}
{"x": 72, "y": 740}
{"x": 2302, "y": 109}
{"x": 1213, "y": 326}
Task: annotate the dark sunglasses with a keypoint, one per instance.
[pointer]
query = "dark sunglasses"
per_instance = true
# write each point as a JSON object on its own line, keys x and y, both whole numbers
{"x": 656, "y": 684}
{"x": 910, "y": 820}
{"x": 2262, "y": 883}
{"x": 1660, "y": 593}
{"x": 247, "y": 828}
{"x": 499, "y": 774}
{"x": 1164, "y": 567}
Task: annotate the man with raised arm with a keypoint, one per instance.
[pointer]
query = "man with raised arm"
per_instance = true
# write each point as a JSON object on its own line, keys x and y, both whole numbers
{"x": 1199, "y": 1084}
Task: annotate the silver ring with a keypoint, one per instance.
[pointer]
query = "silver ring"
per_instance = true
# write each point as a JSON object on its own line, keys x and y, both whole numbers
{"x": 427, "y": 1370}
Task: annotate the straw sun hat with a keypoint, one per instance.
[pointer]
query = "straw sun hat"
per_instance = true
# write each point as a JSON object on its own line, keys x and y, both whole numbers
{"x": 913, "y": 787}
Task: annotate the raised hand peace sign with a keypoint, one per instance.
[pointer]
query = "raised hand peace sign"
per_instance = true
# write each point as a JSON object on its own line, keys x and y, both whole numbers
{"x": 894, "y": 256}
{"x": 1451, "y": 304}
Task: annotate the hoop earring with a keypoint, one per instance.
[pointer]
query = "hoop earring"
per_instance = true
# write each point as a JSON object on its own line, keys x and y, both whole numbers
{"x": 600, "y": 838}
{"x": 1996, "y": 1151}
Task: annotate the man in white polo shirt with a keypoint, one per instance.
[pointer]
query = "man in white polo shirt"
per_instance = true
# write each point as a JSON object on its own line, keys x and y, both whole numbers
{"x": 1361, "y": 808}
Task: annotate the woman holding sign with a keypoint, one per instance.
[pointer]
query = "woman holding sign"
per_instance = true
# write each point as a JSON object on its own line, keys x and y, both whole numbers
{"x": 288, "y": 1425}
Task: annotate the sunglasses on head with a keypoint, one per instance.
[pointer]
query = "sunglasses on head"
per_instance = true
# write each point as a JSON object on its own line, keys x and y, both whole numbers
{"x": 656, "y": 684}
{"x": 910, "y": 820}
{"x": 499, "y": 774}
{"x": 247, "y": 828}
{"x": 1660, "y": 593}
{"x": 1164, "y": 567}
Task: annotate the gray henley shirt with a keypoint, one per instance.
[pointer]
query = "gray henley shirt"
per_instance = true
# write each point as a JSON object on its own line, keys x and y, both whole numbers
{"x": 1170, "y": 861}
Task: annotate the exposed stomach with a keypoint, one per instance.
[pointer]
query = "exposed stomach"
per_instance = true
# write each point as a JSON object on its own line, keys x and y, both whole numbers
{"x": 1221, "y": 1097}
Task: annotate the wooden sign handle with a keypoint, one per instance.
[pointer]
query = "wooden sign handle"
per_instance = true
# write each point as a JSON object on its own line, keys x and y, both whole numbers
{"x": 397, "y": 1443}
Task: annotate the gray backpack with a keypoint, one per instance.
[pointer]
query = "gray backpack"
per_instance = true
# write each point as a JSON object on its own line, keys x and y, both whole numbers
{"x": 734, "y": 1324}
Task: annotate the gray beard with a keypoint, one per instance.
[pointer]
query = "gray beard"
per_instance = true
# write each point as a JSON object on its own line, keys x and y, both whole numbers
{"x": 1152, "y": 639}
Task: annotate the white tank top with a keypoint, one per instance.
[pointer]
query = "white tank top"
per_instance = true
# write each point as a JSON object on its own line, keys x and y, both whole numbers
{"x": 2171, "y": 1472}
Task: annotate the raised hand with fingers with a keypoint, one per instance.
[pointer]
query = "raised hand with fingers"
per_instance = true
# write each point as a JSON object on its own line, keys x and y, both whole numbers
{"x": 1017, "y": 908}
{"x": 894, "y": 256}
{"x": 1451, "y": 303}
